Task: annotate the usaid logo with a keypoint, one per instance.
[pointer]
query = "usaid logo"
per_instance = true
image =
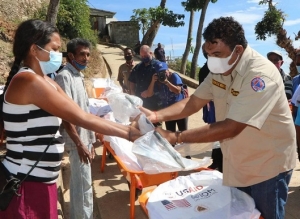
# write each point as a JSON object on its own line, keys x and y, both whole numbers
{"x": 201, "y": 195}
{"x": 189, "y": 190}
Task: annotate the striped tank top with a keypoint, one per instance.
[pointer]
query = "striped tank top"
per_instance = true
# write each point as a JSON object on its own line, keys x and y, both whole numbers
{"x": 29, "y": 130}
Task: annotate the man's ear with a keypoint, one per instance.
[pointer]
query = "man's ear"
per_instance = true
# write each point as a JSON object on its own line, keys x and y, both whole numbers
{"x": 70, "y": 55}
{"x": 282, "y": 62}
{"x": 239, "y": 49}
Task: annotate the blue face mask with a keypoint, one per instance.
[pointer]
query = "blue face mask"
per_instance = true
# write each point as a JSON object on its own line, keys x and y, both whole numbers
{"x": 78, "y": 65}
{"x": 53, "y": 64}
{"x": 146, "y": 59}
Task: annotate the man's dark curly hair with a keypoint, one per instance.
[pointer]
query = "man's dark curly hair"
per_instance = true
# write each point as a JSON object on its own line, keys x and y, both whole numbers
{"x": 226, "y": 29}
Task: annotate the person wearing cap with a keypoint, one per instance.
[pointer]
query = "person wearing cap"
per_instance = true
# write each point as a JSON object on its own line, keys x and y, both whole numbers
{"x": 167, "y": 86}
{"x": 276, "y": 58}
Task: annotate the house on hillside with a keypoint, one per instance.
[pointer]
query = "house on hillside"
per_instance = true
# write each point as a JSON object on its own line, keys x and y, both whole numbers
{"x": 112, "y": 30}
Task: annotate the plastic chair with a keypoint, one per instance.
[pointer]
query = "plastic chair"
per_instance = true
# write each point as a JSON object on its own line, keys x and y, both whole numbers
{"x": 137, "y": 179}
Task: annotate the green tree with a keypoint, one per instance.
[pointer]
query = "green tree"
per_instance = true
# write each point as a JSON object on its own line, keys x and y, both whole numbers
{"x": 73, "y": 20}
{"x": 177, "y": 63}
{"x": 189, "y": 39}
{"x": 52, "y": 11}
{"x": 142, "y": 16}
{"x": 272, "y": 25}
{"x": 157, "y": 16}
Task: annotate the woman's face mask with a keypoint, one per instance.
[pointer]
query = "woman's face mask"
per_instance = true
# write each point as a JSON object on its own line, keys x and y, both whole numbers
{"x": 53, "y": 64}
{"x": 218, "y": 65}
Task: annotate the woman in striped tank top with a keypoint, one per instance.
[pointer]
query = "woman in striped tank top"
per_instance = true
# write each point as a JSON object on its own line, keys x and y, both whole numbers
{"x": 33, "y": 106}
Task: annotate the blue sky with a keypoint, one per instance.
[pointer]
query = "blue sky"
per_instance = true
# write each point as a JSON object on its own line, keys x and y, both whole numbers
{"x": 247, "y": 12}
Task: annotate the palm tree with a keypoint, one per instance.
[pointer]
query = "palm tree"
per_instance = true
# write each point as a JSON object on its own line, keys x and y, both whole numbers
{"x": 188, "y": 43}
{"x": 198, "y": 39}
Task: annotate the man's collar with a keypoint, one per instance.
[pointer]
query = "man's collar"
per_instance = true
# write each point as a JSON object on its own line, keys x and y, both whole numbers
{"x": 243, "y": 61}
{"x": 73, "y": 69}
{"x": 130, "y": 64}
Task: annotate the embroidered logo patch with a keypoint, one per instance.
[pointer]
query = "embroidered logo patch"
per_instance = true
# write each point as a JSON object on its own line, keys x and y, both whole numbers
{"x": 219, "y": 84}
{"x": 258, "y": 84}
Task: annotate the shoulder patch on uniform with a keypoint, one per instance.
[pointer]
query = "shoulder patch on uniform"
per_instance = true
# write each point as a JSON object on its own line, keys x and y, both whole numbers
{"x": 219, "y": 84}
{"x": 258, "y": 84}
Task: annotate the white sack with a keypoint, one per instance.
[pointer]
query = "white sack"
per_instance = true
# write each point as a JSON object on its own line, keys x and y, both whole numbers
{"x": 155, "y": 158}
{"x": 200, "y": 196}
{"x": 123, "y": 149}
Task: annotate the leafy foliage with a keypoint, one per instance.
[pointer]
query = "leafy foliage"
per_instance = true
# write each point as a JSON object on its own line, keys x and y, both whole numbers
{"x": 176, "y": 65}
{"x": 270, "y": 24}
{"x": 146, "y": 17}
{"x": 195, "y": 5}
{"x": 73, "y": 20}
{"x": 142, "y": 16}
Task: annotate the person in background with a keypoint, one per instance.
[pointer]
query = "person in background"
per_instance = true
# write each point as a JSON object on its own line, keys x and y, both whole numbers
{"x": 169, "y": 90}
{"x": 33, "y": 107}
{"x": 209, "y": 118}
{"x": 276, "y": 58}
{"x": 78, "y": 141}
{"x": 254, "y": 124}
{"x": 296, "y": 79}
{"x": 125, "y": 70}
{"x": 296, "y": 82}
{"x": 141, "y": 77}
{"x": 159, "y": 53}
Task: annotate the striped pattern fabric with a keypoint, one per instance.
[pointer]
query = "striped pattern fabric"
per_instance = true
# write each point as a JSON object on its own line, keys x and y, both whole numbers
{"x": 29, "y": 130}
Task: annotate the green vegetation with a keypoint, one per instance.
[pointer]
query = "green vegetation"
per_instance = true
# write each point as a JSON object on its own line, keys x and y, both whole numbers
{"x": 176, "y": 65}
{"x": 73, "y": 19}
{"x": 271, "y": 23}
{"x": 149, "y": 20}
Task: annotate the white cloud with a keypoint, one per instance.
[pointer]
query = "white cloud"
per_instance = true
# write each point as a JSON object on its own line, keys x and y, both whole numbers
{"x": 253, "y": 1}
{"x": 292, "y": 22}
{"x": 176, "y": 46}
{"x": 244, "y": 17}
{"x": 256, "y": 8}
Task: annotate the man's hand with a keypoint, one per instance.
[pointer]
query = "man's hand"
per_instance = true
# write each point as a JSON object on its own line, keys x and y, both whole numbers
{"x": 84, "y": 155}
{"x": 151, "y": 115}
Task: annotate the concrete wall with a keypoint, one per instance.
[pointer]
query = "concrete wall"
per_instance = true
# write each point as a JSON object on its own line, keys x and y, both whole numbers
{"x": 124, "y": 32}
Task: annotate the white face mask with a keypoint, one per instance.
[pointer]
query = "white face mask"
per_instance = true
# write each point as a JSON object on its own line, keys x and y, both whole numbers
{"x": 220, "y": 65}
{"x": 298, "y": 68}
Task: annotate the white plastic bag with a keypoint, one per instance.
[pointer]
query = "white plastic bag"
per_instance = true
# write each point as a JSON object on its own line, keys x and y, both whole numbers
{"x": 122, "y": 108}
{"x": 122, "y": 148}
{"x": 154, "y": 157}
{"x": 200, "y": 196}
